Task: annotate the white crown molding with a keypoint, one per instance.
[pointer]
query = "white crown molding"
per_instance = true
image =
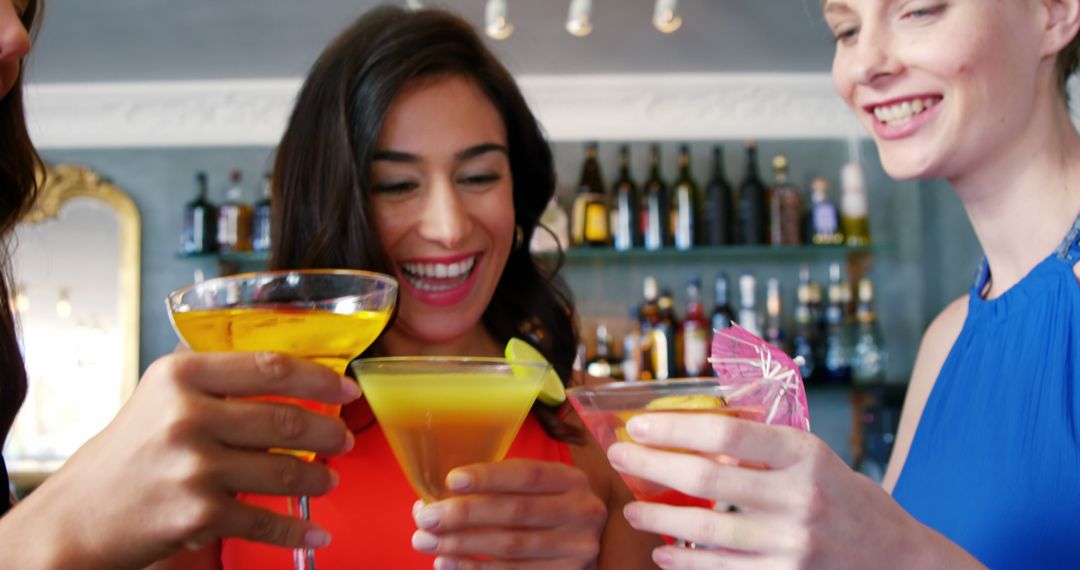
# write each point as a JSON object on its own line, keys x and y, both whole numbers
{"x": 570, "y": 107}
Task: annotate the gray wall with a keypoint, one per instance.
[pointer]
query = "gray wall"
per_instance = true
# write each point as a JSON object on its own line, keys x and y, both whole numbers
{"x": 915, "y": 273}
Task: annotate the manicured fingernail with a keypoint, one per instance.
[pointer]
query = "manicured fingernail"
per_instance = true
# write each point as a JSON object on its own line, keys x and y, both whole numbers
{"x": 445, "y": 564}
{"x": 316, "y": 538}
{"x": 335, "y": 479}
{"x": 429, "y": 517}
{"x": 663, "y": 558}
{"x": 616, "y": 454}
{"x": 419, "y": 504}
{"x": 638, "y": 427}
{"x": 424, "y": 541}
{"x": 632, "y": 513}
{"x": 458, "y": 480}
{"x": 350, "y": 390}
{"x": 350, "y": 441}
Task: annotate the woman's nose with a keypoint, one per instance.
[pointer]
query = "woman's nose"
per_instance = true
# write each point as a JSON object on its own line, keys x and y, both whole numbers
{"x": 14, "y": 40}
{"x": 873, "y": 58}
{"x": 445, "y": 218}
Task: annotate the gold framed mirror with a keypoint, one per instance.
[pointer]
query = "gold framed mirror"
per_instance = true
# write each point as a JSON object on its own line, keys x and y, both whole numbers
{"x": 75, "y": 262}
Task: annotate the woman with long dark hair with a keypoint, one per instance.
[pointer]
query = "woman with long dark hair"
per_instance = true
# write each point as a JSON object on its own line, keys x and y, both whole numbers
{"x": 164, "y": 473}
{"x": 411, "y": 152}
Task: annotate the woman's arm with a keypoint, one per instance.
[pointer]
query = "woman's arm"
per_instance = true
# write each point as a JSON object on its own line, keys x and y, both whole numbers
{"x": 163, "y": 474}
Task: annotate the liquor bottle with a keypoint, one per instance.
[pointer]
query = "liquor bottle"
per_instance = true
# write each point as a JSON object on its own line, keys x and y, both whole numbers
{"x": 234, "y": 218}
{"x": 748, "y": 310}
{"x": 784, "y": 208}
{"x": 199, "y": 234}
{"x": 555, "y": 234}
{"x": 631, "y": 362}
{"x": 824, "y": 222}
{"x": 774, "y": 330}
{"x": 601, "y": 364}
{"x": 654, "y": 214}
{"x": 753, "y": 212}
{"x": 836, "y": 354}
{"x": 684, "y": 205}
{"x": 722, "y": 314}
{"x": 649, "y": 318}
{"x": 804, "y": 339}
{"x": 590, "y": 211}
{"x": 694, "y": 332}
{"x": 869, "y": 357}
{"x": 664, "y": 350}
{"x": 717, "y": 211}
{"x": 853, "y": 205}
{"x": 625, "y": 214}
{"x": 260, "y": 235}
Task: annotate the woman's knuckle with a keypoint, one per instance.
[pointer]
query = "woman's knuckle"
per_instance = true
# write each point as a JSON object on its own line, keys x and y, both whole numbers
{"x": 288, "y": 421}
{"x": 707, "y": 480}
{"x": 289, "y": 474}
{"x": 274, "y": 368}
{"x": 520, "y": 508}
{"x": 515, "y": 544}
{"x": 264, "y": 527}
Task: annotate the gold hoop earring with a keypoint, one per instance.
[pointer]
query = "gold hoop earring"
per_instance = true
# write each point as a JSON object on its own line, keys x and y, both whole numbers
{"x": 519, "y": 236}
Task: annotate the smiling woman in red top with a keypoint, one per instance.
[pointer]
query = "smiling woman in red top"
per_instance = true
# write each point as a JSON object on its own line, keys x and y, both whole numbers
{"x": 412, "y": 152}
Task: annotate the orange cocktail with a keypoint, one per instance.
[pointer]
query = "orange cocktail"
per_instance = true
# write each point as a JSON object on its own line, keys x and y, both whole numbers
{"x": 608, "y": 426}
{"x": 442, "y": 413}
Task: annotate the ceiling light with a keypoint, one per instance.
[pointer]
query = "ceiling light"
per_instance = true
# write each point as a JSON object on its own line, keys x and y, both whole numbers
{"x": 63, "y": 305}
{"x": 496, "y": 26}
{"x": 414, "y": 5}
{"x": 665, "y": 17}
{"x": 579, "y": 20}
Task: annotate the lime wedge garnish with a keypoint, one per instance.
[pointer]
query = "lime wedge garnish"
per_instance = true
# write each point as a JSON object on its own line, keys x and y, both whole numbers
{"x": 697, "y": 402}
{"x": 552, "y": 391}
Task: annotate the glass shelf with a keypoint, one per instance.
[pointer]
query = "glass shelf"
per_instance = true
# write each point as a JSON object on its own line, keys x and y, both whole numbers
{"x": 712, "y": 253}
{"x": 239, "y": 257}
{"x": 585, "y": 254}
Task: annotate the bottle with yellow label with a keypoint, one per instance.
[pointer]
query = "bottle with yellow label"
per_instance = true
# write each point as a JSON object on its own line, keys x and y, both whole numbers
{"x": 591, "y": 212}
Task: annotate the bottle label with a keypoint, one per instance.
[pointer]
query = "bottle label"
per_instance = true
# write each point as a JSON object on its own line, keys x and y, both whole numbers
{"x": 596, "y": 223}
{"x": 695, "y": 352}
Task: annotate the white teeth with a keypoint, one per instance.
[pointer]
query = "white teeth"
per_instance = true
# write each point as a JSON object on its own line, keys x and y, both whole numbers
{"x": 902, "y": 112}
{"x": 421, "y": 275}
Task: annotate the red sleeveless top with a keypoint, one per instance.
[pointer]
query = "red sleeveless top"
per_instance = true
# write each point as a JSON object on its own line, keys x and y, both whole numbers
{"x": 369, "y": 514}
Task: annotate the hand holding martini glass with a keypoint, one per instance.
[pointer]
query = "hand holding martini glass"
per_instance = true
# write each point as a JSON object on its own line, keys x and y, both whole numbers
{"x": 322, "y": 315}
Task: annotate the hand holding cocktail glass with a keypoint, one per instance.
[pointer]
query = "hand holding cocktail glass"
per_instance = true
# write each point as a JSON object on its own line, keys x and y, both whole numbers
{"x": 449, "y": 422}
{"x": 325, "y": 317}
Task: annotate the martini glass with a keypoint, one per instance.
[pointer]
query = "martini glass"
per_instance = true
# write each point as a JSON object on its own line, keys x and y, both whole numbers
{"x": 326, "y": 316}
{"x": 441, "y": 413}
{"x": 606, "y": 408}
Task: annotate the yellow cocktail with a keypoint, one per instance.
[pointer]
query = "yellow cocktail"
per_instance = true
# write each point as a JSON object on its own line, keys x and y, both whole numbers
{"x": 442, "y": 413}
{"x": 331, "y": 339}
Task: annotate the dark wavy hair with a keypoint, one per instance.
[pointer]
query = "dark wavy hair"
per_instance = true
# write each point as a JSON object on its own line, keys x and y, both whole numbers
{"x": 21, "y": 173}
{"x": 322, "y": 173}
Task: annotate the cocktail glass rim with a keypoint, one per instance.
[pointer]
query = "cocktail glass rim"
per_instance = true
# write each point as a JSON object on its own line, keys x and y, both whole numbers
{"x": 373, "y": 275}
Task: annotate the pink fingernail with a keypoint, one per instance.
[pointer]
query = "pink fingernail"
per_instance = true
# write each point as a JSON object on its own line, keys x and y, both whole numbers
{"x": 424, "y": 541}
{"x": 335, "y": 479}
{"x": 428, "y": 517}
{"x": 632, "y": 513}
{"x": 350, "y": 441}
{"x": 638, "y": 427}
{"x": 316, "y": 538}
{"x": 616, "y": 455}
{"x": 458, "y": 481}
{"x": 350, "y": 390}
{"x": 445, "y": 564}
{"x": 662, "y": 557}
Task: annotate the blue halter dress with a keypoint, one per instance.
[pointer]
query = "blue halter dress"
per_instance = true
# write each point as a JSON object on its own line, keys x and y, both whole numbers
{"x": 995, "y": 461}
